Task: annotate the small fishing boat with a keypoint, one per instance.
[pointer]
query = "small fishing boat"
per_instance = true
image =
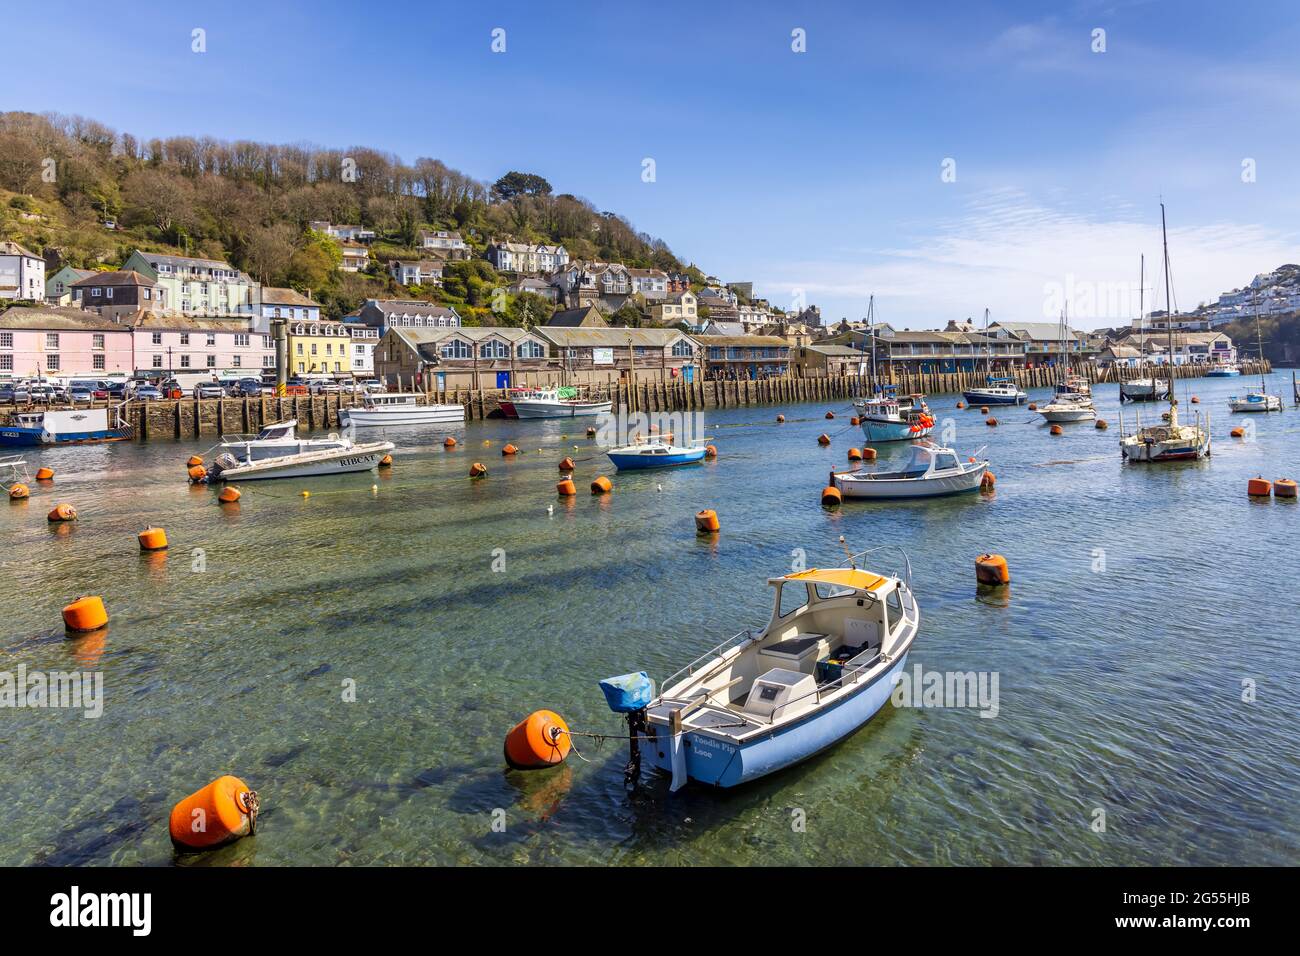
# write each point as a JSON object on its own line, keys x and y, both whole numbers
{"x": 1065, "y": 408}
{"x": 276, "y": 452}
{"x": 932, "y": 471}
{"x": 654, "y": 453}
{"x": 758, "y": 703}
{"x": 73, "y": 427}
{"x": 566, "y": 401}
{"x": 1257, "y": 400}
{"x": 1143, "y": 390}
{"x": 887, "y": 416}
{"x": 1222, "y": 370}
{"x": 399, "y": 408}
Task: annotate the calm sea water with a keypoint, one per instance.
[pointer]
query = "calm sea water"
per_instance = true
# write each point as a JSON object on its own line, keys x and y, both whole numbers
{"x": 1142, "y": 599}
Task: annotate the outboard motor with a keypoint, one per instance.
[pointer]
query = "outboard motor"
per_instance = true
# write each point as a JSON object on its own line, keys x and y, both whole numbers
{"x": 630, "y": 695}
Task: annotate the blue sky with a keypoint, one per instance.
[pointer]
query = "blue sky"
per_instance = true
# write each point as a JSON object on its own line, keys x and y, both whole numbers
{"x": 813, "y": 173}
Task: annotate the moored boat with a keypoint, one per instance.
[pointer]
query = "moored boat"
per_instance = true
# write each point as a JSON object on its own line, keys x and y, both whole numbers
{"x": 276, "y": 452}
{"x": 758, "y": 703}
{"x": 1064, "y": 409}
{"x": 1222, "y": 370}
{"x": 997, "y": 389}
{"x": 654, "y": 453}
{"x": 399, "y": 408}
{"x": 887, "y": 416}
{"x": 565, "y": 401}
{"x": 70, "y": 427}
{"x": 1257, "y": 400}
{"x": 932, "y": 471}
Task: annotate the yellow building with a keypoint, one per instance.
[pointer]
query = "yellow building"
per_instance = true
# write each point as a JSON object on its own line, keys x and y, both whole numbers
{"x": 320, "y": 347}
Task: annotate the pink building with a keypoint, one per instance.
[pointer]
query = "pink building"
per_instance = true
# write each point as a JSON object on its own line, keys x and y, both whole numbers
{"x": 199, "y": 348}
{"x": 53, "y": 342}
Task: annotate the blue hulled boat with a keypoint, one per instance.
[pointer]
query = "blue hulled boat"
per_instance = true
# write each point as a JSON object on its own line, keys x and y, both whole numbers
{"x": 72, "y": 427}
{"x": 655, "y": 453}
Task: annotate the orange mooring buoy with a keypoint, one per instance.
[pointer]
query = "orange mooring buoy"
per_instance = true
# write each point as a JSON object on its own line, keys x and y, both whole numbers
{"x": 868, "y": 453}
{"x": 62, "y": 513}
{"x": 992, "y": 569}
{"x": 710, "y": 451}
{"x": 601, "y": 485}
{"x": 823, "y": 439}
{"x": 223, "y": 811}
{"x": 591, "y": 431}
{"x": 988, "y": 480}
{"x": 228, "y": 495}
{"x": 1057, "y": 430}
{"x": 1284, "y": 488}
{"x": 538, "y": 741}
{"x": 386, "y": 461}
{"x": 44, "y": 474}
{"x": 85, "y": 614}
{"x": 855, "y": 454}
{"x": 1033, "y": 406}
{"x": 193, "y": 460}
{"x": 1195, "y": 400}
{"x": 991, "y": 422}
{"x": 478, "y": 470}
{"x": 197, "y": 473}
{"x": 706, "y": 522}
{"x": 984, "y": 409}
{"x": 830, "y": 414}
{"x": 831, "y": 496}
{"x": 19, "y": 492}
{"x": 855, "y": 421}
{"x": 566, "y": 489}
{"x": 509, "y": 449}
{"x": 153, "y": 539}
{"x": 566, "y": 464}
{"x": 1259, "y": 487}
{"x": 449, "y": 442}
{"x": 1237, "y": 432}
{"x": 961, "y": 404}
{"x": 779, "y": 419}
{"x": 1101, "y": 425}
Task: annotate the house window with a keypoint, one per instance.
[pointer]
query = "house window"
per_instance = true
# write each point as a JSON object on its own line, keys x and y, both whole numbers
{"x": 338, "y": 366}
{"x": 301, "y": 367}
{"x": 234, "y": 361}
{"x": 212, "y": 361}
{"x": 682, "y": 349}
{"x": 185, "y": 361}
{"x": 266, "y": 341}
{"x": 456, "y": 349}
{"x": 156, "y": 338}
{"x": 108, "y": 293}
{"x": 51, "y": 363}
{"x": 268, "y": 361}
{"x": 99, "y": 364}
{"x": 94, "y": 293}
{"x": 241, "y": 339}
{"x": 528, "y": 350}
{"x": 51, "y": 340}
{"x": 6, "y": 340}
{"x": 313, "y": 348}
{"x": 157, "y": 361}
{"x": 493, "y": 350}
{"x": 298, "y": 351}
{"x": 6, "y": 363}
{"x": 212, "y": 339}
{"x": 185, "y": 338}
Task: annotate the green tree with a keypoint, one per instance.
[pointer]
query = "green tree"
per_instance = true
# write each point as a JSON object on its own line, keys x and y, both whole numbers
{"x": 514, "y": 184}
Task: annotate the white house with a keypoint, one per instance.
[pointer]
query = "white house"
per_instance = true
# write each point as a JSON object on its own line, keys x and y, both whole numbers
{"x": 22, "y": 274}
{"x": 681, "y": 307}
{"x": 526, "y": 258}
{"x": 449, "y": 243}
{"x": 651, "y": 283}
{"x": 355, "y": 257}
{"x": 343, "y": 233}
{"x": 423, "y": 272}
{"x": 364, "y": 340}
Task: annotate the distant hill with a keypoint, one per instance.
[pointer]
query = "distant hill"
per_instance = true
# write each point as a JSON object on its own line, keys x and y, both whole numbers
{"x": 249, "y": 204}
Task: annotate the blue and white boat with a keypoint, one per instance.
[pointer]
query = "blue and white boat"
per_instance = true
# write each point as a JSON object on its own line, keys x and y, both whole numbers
{"x": 654, "y": 453}
{"x": 1222, "y": 370}
{"x": 887, "y": 416}
{"x": 996, "y": 391}
{"x": 72, "y": 427}
{"x": 824, "y": 665}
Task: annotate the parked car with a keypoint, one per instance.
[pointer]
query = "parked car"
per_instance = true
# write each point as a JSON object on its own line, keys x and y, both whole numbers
{"x": 323, "y": 386}
{"x": 79, "y": 392}
{"x": 248, "y": 388}
{"x": 115, "y": 390}
{"x": 148, "y": 393}
{"x": 9, "y": 393}
{"x": 209, "y": 390}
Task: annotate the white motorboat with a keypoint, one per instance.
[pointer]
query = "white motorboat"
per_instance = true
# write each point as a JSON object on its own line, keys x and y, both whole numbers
{"x": 932, "y": 471}
{"x": 757, "y": 703}
{"x": 399, "y": 408}
{"x": 276, "y": 452}
{"x": 1078, "y": 408}
{"x": 564, "y": 401}
{"x": 1143, "y": 390}
{"x": 1257, "y": 401}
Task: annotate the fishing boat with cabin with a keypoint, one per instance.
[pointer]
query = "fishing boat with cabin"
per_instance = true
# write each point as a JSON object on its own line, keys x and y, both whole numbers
{"x": 886, "y": 415}
{"x": 563, "y": 401}
{"x": 932, "y": 471}
{"x": 400, "y": 408}
{"x": 71, "y": 427}
{"x": 277, "y": 452}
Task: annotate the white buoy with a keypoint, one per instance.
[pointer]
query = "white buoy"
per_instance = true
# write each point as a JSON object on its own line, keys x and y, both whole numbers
{"x": 550, "y": 509}
{"x": 660, "y": 487}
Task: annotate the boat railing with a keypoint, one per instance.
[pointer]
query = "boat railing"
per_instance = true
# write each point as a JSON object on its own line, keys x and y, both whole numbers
{"x": 906, "y": 567}
{"x": 735, "y": 640}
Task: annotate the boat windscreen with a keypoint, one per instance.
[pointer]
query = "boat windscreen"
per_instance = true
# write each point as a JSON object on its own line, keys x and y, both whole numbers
{"x": 920, "y": 460}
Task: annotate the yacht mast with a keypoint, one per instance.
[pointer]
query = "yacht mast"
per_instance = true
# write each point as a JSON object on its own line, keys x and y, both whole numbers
{"x": 1259, "y": 340}
{"x": 871, "y": 334}
{"x": 1169, "y": 322}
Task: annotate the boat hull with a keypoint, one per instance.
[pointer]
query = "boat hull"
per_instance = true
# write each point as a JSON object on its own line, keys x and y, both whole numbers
{"x": 361, "y": 458}
{"x": 1222, "y": 373}
{"x": 1061, "y": 415}
{"x": 636, "y": 462}
{"x": 720, "y": 763}
{"x": 977, "y": 397}
{"x": 896, "y": 489}
{"x": 1273, "y": 404}
{"x": 1161, "y": 451}
{"x": 29, "y": 437}
{"x": 531, "y": 409}
{"x": 874, "y": 430}
{"x": 416, "y": 415}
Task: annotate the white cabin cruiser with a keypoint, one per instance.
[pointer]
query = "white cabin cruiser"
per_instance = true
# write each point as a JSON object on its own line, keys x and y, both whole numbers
{"x": 1067, "y": 407}
{"x": 563, "y": 402}
{"x": 399, "y": 408}
{"x": 1255, "y": 402}
{"x": 276, "y": 452}
{"x": 932, "y": 471}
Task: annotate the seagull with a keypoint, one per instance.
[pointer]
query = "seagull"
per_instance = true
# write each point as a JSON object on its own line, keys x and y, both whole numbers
{"x": 550, "y": 509}
{"x": 660, "y": 487}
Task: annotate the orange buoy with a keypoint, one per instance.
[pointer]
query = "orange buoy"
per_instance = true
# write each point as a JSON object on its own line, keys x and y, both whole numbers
{"x": 1259, "y": 487}
{"x": 855, "y": 421}
{"x": 992, "y": 569}
{"x": 566, "y": 464}
{"x": 386, "y": 461}
{"x": 538, "y": 741}
{"x": 780, "y": 419}
{"x": 1057, "y": 430}
{"x": 153, "y": 539}
{"x": 984, "y": 409}
{"x": 228, "y": 495}
{"x": 961, "y": 404}
{"x": 601, "y": 485}
{"x": 509, "y": 449}
{"x": 44, "y": 474}
{"x": 565, "y": 488}
{"x": 991, "y": 422}
{"x": 478, "y": 470}
{"x": 1284, "y": 488}
{"x": 830, "y": 414}
{"x": 19, "y": 492}
{"x": 85, "y": 614}
{"x": 1033, "y": 406}
{"x": 1237, "y": 432}
{"x": 193, "y": 460}
{"x": 709, "y": 450}
{"x": 706, "y": 522}
{"x": 831, "y": 496}
{"x": 988, "y": 480}
{"x": 220, "y": 813}
{"x": 868, "y": 453}
{"x": 449, "y": 442}
{"x": 823, "y": 439}
{"x": 197, "y": 473}
{"x": 1195, "y": 400}
{"x": 1101, "y": 425}
{"x": 62, "y": 513}
{"x": 855, "y": 454}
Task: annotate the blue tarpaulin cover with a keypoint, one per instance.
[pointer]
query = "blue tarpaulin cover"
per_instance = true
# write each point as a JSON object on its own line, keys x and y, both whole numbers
{"x": 628, "y": 693}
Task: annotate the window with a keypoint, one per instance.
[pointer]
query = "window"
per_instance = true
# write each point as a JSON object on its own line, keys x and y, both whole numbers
{"x": 108, "y": 293}
{"x": 212, "y": 361}
{"x": 268, "y": 361}
{"x": 95, "y": 292}
{"x": 185, "y": 361}
{"x": 51, "y": 340}
{"x": 241, "y": 339}
{"x": 313, "y": 348}
{"x": 793, "y": 597}
{"x": 212, "y": 339}
{"x": 301, "y": 367}
{"x": 156, "y": 338}
{"x": 52, "y": 363}
{"x": 456, "y": 349}
{"x": 234, "y": 361}
{"x": 6, "y": 340}
{"x": 157, "y": 361}
{"x": 329, "y": 348}
{"x": 299, "y": 349}
{"x": 359, "y": 349}
{"x": 338, "y": 366}
{"x": 895, "y": 605}
{"x": 185, "y": 338}
{"x": 531, "y": 350}
{"x": 494, "y": 350}
{"x": 266, "y": 341}
{"x": 99, "y": 363}
{"x": 682, "y": 349}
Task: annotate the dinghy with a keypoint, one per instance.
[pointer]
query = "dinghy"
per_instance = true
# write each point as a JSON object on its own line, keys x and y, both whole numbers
{"x": 932, "y": 471}
{"x": 654, "y": 453}
{"x": 825, "y": 664}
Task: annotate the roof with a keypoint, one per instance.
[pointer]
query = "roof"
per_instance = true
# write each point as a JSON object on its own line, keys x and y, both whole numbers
{"x": 573, "y": 318}
{"x": 185, "y": 323}
{"x": 475, "y": 333}
{"x": 13, "y": 249}
{"x": 729, "y": 340}
{"x": 845, "y": 577}
{"x": 274, "y": 296}
{"x": 119, "y": 277}
{"x": 56, "y": 318}
{"x": 152, "y": 257}
{"x": 1036, "y": 331}
{"x": 411, "y": 307}
{"x": 837, "y": 350}
{"x": 608, "y": 338}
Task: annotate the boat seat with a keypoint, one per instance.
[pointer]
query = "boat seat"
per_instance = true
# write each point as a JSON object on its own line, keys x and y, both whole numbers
{"x": 799, "y": 653}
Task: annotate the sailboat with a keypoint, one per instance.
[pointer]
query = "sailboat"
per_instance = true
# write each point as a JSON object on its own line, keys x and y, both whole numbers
{"x": 1146, "y": 389}
{"x": 1257, "y": 401}
{"x": 886, "y": 415}
{"x": 997, "y": 390}
{"x": 1072, "y": 400}
{"x": 1170, "y": 440}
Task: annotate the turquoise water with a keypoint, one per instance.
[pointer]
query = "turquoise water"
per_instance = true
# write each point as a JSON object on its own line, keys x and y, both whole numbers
{"x": 1120, "y": 689}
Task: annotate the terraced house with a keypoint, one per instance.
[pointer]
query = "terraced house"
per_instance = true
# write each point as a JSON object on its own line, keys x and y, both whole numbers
{"x": 320, "y": 347}
{"x": 52, "y": 341}
{"x": 383, "y": 314}
{"x": 171, "y": 344}
{"x": 22, "y": 274}
{"x": 526, "y": 258}
{"x": 195, "y": 287}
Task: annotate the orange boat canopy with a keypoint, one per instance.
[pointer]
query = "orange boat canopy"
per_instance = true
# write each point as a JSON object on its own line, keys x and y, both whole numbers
{"x": 843, "y": 577}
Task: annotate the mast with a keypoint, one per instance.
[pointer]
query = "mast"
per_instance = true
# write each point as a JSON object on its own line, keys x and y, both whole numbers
{"x": 1169, "y": 322}
{"x": 1259, "y": 342}
{"x": 871, "y": 333}
{"x": 988, "y": 352}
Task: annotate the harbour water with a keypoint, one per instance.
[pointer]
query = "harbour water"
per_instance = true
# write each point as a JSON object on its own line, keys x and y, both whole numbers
{"x": 1145, "y": 602}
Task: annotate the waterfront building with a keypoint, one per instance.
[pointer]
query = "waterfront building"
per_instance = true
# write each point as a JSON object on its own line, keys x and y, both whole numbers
{"x": 1042, "y": 342}
{"x": 743, "y": 357}
{"x": 54, "y": 342}
{"x": 195, "y": 287}
{"x": 365, "y": 340}
{"x": 58, "y": 287}
{"x": 384, "y": 314}
{"x": 606, "y": 355}
{"x": 928, "y": 351}
{"x": 112, "y": 295}
{"x": 828, "y": 361}
{"x": 198, "y": 347}
{"x": 587, "y": 318}
{"x": 438, "y": 359}
{"x": 22, "y": 274}
{"x": 320, "y": 347}
{"x": 1189, "y": 348}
